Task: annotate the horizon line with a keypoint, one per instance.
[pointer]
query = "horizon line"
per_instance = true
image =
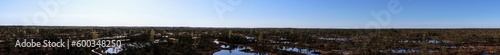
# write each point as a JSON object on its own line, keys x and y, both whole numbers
{"x": 235, "y": 27}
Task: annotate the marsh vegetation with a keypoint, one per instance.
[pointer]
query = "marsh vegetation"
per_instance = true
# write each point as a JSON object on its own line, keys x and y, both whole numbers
{"x": 261, "y": 41}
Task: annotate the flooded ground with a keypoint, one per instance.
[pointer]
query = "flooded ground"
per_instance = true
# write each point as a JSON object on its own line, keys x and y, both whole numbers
{"x": 192, "y": 41}
{"x": 236, "y": 50}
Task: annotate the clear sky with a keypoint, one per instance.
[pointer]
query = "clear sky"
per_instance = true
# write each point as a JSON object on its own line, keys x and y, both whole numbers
{"x": 252, "y": 13}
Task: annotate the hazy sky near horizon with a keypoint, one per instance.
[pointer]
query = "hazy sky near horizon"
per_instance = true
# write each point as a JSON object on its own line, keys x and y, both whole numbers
{"x": 253, "y": 13}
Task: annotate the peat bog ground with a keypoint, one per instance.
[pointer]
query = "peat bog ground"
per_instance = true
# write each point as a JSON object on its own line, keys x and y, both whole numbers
{"x": 260, "y": 41}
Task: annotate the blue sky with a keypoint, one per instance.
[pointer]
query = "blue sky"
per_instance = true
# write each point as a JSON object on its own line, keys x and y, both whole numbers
{"x": 251, "y": 13}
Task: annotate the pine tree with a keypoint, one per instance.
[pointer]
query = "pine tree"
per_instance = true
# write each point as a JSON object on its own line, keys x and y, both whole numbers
{"x": 196, "y": 42}
{"x": 230, "y": 33}
{"x": 37, "y": 32}
{"x": 152, "y": 35}
{"x": 424, "y": 45}
{"x": 24, "y": 33}
{"x": 192, "y": 34}
{"x": 7, "y": 38}
{"x": 260, "y": 38}
{"x": 130, "y": 32}
{"x": 94, "y": 34}
{"x": 14, "y": 35}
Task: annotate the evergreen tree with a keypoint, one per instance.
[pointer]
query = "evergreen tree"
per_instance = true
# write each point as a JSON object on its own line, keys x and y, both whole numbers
{"x": 230, "y": 33}
{"x": 152, "y": 35}
{"x": 94, "y": 34}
